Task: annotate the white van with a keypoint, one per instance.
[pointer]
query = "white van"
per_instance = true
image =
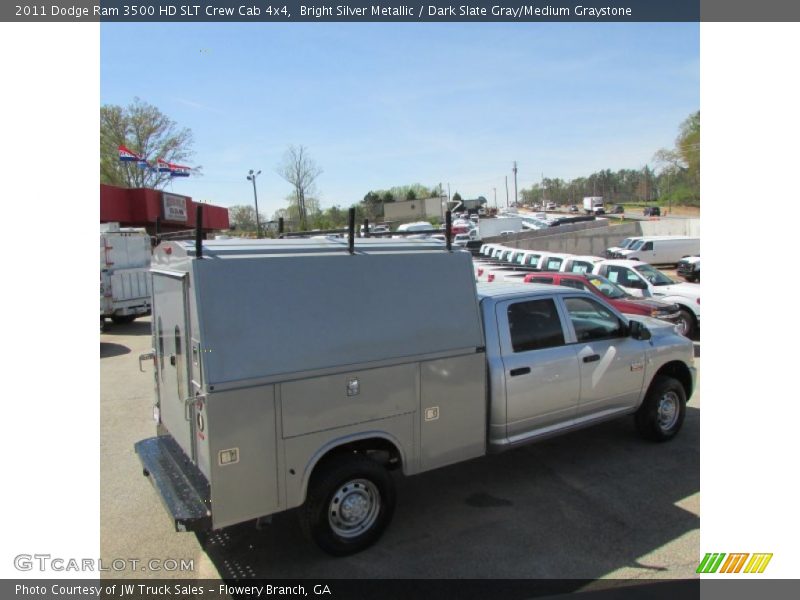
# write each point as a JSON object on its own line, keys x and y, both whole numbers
{"x": 623, "y": 245}
{"x": 661, "y": 250}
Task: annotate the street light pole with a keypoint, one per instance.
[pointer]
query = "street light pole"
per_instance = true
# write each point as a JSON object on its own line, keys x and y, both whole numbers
{"x": 252, "y": 177}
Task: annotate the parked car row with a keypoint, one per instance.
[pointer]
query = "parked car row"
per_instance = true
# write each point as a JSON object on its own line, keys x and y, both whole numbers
{"x": 677, "y": 302}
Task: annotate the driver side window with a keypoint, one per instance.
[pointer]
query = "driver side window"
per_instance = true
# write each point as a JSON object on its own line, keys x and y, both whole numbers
{"x": 593, "y": 321}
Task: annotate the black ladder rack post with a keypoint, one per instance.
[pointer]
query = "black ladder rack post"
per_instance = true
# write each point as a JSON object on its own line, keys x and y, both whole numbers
{"x": 351, "y": 231}
{"x": 448, "y": 230}
{"x": 198, "y": 231}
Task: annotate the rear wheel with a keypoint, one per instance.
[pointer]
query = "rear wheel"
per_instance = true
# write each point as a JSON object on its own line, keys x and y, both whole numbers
{"x": 350, "y": 503}
{"x": 123, "y": 319}
{"x": 661, "y": 415}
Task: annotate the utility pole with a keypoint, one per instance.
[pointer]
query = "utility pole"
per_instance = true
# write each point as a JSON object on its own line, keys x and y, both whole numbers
{"x": 252, "y": 177}
{"x": 515, "y": 182}
{"x": 494, "y": 189}
{"x": 506, "y": 191}
{"x": 448, "y": 192}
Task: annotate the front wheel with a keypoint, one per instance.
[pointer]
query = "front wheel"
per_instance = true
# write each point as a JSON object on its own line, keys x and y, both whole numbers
{"x": 661, "y": 415}
{"x": 350, "y": 503}
{"x": 685, "y": 323}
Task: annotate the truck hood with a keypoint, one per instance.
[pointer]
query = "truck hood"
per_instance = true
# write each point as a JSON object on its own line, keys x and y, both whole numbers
{"x": 692, "y": 290}
{"x": 657, "y": 327}
{"x": 650, "y": 303}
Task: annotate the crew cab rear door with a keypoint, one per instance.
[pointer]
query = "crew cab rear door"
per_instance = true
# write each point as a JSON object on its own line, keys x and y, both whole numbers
{"x": 541, "y": 371}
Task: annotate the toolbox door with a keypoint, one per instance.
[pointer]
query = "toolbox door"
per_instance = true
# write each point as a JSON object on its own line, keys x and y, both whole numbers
{"x": 173, "y": 358}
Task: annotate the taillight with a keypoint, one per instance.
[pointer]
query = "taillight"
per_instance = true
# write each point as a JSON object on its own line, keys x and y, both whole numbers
{"x": 698, "y": 300}
{"x": 490, "y": 278}
{"x": 480, "y": 272}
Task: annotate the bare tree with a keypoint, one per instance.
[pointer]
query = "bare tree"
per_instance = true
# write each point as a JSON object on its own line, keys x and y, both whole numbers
{"x": 299, "y": 169}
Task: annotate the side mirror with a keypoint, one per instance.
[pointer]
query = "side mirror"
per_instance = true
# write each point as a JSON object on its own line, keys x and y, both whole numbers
{"x": 638, "y": 331}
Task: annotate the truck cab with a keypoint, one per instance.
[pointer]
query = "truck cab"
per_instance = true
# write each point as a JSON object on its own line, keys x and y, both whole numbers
{"x": 560, "y": 358}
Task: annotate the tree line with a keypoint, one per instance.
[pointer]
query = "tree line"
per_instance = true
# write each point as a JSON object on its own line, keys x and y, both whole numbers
{"x": 676, "y": 182}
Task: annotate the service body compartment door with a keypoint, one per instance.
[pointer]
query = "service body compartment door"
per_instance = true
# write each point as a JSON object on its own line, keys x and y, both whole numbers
{"x": 453, "y": 411}
{"x": 173, "y": 358}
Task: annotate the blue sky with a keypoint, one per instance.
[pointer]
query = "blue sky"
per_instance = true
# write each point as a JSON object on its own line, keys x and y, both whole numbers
{"x": 379, "y": 105}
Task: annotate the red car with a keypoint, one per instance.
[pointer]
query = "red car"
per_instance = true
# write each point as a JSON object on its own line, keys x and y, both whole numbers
{"x": 611, "y": 293}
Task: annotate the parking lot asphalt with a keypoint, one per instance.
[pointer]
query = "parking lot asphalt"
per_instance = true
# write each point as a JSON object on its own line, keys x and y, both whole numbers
{"x": 598, "y": 503}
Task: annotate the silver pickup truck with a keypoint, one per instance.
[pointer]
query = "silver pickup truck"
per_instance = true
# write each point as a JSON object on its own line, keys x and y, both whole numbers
{"x": 299, "y": 373}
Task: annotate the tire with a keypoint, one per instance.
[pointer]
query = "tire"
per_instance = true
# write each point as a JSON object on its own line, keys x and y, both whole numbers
{"x": 661, "y": 415}
{"x": 685, "y": 323}
{"x": 123, "y": 319}
{"x": 354, "y": 483}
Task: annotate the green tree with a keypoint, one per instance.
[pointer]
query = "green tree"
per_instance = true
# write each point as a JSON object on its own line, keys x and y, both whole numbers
{"x": 144, "y": 129}
{"x": 680, "y": 167}
{"x": 243, "y": 218}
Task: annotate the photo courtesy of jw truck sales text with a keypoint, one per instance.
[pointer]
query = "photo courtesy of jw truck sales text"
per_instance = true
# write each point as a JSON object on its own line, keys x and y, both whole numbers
{"x": 375, "y": 293}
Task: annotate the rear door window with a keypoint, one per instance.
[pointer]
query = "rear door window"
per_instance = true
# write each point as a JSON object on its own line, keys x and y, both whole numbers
{"x": 553, "y": 264}
{"x": 534, "y": 324}
{"x": 573, "y": 283}
{"x": 541, "y": 280}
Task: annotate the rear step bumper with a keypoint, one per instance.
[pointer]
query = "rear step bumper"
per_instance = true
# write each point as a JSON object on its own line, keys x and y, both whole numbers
{"x": 183, "y": 489}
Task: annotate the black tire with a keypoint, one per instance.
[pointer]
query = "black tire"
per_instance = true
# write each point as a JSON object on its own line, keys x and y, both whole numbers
{"x": 370, "y": 492}
{"x": 685, "y": 321}
{"x": 123, "y": 319}
{"x": 660, "y": 417}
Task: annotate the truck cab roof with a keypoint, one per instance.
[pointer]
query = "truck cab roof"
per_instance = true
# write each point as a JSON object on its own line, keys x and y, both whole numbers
{"x": 505, "y": 290}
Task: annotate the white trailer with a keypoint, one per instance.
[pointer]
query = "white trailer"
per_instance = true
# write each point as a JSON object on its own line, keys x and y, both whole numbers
{"x": 495, "y": 227}
{"x": 124, "y": 273}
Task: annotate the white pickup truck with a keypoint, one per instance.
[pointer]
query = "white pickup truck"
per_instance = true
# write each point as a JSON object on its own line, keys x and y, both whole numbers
{"x": 642, "y": 279}
{"x": 271, "y": 397}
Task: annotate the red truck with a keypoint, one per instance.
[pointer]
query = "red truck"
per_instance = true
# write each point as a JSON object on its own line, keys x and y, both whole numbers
{"x": 610, "y": 292}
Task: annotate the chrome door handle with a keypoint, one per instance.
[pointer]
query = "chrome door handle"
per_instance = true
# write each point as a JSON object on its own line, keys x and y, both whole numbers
{"x": 146, "y": 356}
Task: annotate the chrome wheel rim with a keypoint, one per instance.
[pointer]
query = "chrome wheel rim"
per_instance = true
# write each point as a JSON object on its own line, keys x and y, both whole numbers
{"x": 683, "y": 325}
{"x": 354, "y": 508}
{"x": 668, "y": 411}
